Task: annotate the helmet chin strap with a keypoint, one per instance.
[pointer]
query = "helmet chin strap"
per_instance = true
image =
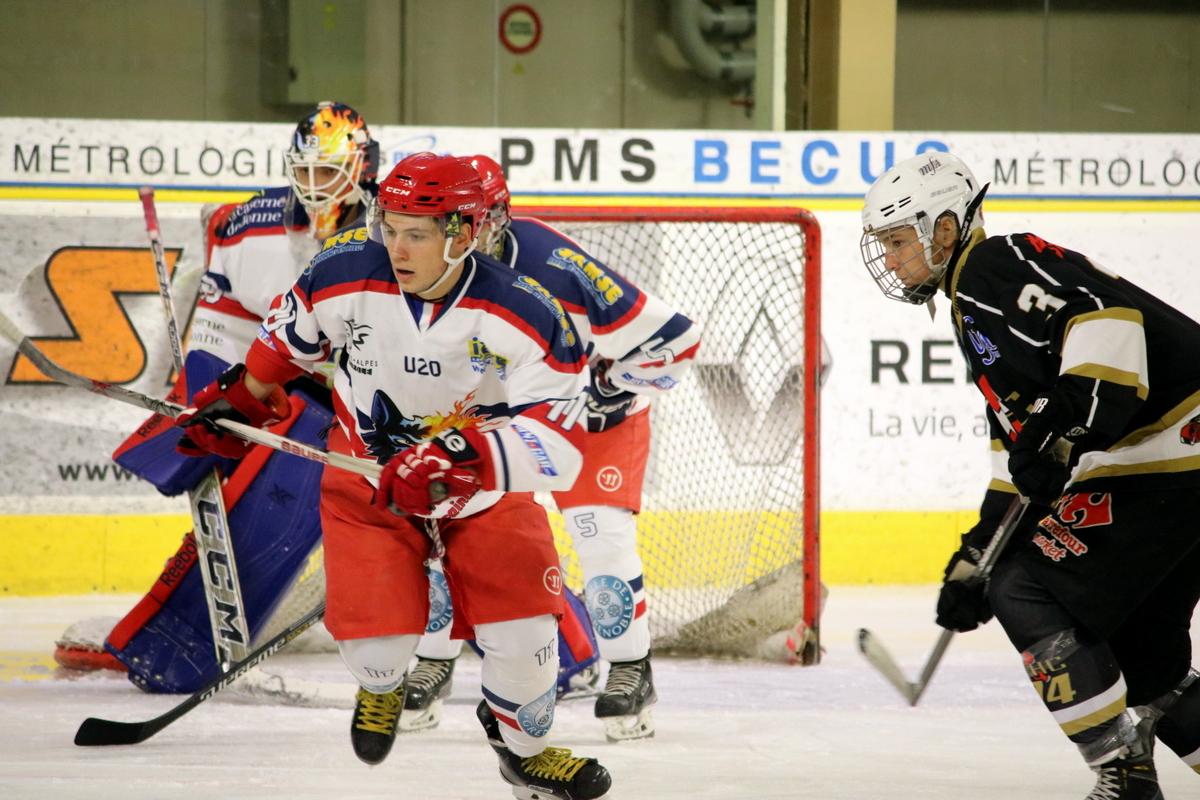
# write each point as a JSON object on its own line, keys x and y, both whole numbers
{"x": 451, "y": 263}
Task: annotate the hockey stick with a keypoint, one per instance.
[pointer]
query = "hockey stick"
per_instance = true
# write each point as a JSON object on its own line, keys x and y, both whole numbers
{"x": 878, "y": 656}
{"x": 146, "y": 193}
{"x": 359, "y": 466}
{"x": 210, "y": 521}
{"x": 95, "y": 731}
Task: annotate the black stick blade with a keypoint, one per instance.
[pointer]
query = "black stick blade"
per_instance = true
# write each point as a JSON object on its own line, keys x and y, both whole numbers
{"x": 95, "y": 731}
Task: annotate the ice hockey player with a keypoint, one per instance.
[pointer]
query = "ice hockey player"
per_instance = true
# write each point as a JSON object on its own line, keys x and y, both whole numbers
{"x": 638, "y": 348}
{"x": 450, "y": 368}
{"x": 256, "y": 250}
{"x": 1093, "y": 392}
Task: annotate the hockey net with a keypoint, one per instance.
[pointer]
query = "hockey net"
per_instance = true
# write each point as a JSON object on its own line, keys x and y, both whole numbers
{"x": 729, "y": 528}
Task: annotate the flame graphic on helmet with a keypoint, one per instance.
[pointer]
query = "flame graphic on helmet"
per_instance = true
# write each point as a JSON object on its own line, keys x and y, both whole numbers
{"x": 332, "y": 134}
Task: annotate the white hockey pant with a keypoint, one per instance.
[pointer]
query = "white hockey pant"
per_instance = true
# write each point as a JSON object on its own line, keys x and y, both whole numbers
{"x": 605, "y": 539}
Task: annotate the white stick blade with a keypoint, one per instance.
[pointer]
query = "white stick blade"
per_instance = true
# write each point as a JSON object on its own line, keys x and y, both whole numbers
{"x": 878, "y": 656}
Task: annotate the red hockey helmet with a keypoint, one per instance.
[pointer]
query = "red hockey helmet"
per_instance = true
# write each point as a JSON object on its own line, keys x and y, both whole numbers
{"x": 425, "y": 184}
{"x": 497, "y": 197}
{"x": 495, "y": 188}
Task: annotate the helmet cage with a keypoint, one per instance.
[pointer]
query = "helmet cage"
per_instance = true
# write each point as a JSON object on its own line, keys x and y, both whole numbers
{"x": 332, "y": 159}
{"x": 891, "y": 281}
{"x": 337, "y": 182}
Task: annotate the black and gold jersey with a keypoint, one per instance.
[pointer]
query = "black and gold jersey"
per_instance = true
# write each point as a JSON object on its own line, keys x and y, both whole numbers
{"x": 1032, "y": 317}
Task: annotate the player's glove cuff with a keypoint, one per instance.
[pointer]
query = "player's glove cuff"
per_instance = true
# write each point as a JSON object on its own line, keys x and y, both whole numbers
{"x": 227, "y": 397}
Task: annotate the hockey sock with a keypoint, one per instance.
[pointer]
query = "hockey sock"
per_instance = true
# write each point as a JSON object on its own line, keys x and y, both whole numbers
{"x": 378, "y": 662}
{"x": 436, "y": 642}
{"x": 1081, "y": 685}
{"x": 1179, "y": 728}
{"x": 605, "y": 537}
{"x": 520, "y": 670}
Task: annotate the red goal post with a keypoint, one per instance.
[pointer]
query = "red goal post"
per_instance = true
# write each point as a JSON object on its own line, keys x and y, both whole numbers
{"x": 731, "y": 539}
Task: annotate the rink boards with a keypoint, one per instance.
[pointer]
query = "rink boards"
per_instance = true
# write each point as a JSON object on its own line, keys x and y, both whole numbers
{"x": 904, "y": 452}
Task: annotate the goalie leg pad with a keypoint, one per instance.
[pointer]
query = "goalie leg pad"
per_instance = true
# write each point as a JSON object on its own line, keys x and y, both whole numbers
{"x": 578, "y": 653}
{"x": 274, "y": 526}
{"x": 149, "y": 452}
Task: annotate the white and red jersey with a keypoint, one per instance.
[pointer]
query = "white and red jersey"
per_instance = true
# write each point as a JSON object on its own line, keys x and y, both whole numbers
{"x": 492, "y": 355}
{"x": 256, "y": 250}
{"x": 650, "y": 343}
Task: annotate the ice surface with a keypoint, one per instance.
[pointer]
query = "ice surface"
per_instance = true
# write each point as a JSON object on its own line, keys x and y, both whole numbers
{"x": 725, "y": 729}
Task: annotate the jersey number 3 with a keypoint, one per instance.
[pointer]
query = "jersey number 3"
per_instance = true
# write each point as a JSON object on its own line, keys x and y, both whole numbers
{"x": 1034, "y": 296}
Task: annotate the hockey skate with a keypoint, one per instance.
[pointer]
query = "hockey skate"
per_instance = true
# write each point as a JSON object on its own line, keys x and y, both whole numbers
{"x": 553, "y": 774}
{"x": 624, "y": 705}
{"x": 425, "y": 686}
{"x": 1130, "y": 773}
{"x": 1126, "y": 779}
{"x": 374, "y": 727}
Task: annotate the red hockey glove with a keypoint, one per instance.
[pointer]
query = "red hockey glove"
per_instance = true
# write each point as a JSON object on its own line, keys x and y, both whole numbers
{"x": 458, "y": 460}
{"x": 227, "y": 398}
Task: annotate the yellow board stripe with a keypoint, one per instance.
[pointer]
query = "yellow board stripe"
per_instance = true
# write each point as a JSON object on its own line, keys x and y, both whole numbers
{"x": 47, "y": 555}
{"x": 166, "y": 194}
{"x": 73, "y": 554}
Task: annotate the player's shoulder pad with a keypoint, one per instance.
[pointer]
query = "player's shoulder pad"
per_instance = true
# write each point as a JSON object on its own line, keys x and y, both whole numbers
{"x": 563, "y": 266}
{"x": 522, "y": 296}
{"x": 348, "y": 255}
{"x": 261, "y": 212}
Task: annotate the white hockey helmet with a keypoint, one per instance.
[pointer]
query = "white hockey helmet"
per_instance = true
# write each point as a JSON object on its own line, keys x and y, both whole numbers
{"x": 917, "y": 193}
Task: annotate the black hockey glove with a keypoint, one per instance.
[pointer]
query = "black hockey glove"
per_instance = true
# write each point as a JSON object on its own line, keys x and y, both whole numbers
{"x": 962, "y": 604}
{"x": 606, "y": 404}
{"x": 1036, "y": 471}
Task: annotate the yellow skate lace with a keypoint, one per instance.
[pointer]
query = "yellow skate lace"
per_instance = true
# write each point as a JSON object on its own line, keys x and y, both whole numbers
{"x": 377, "y": 712}
{"x": 555, "y": 763}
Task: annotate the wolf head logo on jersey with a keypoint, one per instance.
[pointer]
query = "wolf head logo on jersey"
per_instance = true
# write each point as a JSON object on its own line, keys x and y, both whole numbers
{"x": 387, "y": 431}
